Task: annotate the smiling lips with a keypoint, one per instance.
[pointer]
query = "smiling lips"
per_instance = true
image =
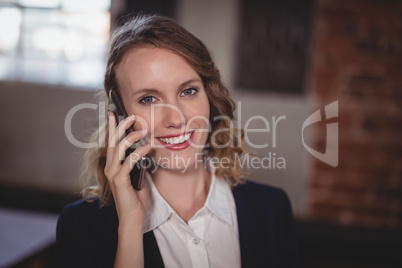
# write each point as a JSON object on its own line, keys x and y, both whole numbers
{"x": 176, "y": 143}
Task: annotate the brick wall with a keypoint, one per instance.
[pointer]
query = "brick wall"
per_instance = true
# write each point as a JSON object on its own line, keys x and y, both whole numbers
{"x": 357, "y": 59}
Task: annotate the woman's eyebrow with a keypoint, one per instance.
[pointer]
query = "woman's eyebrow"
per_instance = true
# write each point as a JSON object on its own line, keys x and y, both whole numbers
{"x": 189, "y": 82}
{"x": 145, "y": 91}
{"x": 155, "y": 91}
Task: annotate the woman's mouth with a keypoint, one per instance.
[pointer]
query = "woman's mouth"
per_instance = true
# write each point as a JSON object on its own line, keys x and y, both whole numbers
{"x": 179, "y": 142}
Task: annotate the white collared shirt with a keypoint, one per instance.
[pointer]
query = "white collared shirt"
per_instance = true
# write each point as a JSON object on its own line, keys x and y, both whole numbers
{"x": 211, "y": 237}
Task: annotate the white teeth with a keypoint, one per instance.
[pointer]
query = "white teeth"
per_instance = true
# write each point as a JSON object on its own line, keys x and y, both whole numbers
{"x": 176, "y": 140}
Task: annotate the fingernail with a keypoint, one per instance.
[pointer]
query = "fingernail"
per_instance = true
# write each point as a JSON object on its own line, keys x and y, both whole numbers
{"x": 131, "y": 116}
{"x": 144, "y": 131}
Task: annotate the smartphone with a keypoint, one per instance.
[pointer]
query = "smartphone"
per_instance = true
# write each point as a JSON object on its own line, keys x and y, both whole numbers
{"x": 137, "y": 174}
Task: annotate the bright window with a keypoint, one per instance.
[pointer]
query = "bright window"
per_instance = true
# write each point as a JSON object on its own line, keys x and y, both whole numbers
{"x": 54, "y": 41}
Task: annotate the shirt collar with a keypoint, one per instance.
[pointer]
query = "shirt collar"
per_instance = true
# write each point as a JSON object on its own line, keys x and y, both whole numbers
{"x": 217, "y": 202}
{"x": 159, "y": 210}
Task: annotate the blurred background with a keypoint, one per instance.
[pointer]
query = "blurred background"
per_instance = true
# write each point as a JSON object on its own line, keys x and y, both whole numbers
{"x": 280, "y": 59}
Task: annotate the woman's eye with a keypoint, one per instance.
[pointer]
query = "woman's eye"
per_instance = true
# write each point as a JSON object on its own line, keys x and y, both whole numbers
{"x": 147, "y": 99}
{"x": 188, "y": 92}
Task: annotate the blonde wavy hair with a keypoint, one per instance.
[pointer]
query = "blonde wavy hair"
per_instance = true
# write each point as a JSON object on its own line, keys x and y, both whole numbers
{"x": 162, "y": 32}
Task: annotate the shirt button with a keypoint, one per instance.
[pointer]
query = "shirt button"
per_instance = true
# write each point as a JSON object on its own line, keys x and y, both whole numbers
{"x": 196, "y": 241}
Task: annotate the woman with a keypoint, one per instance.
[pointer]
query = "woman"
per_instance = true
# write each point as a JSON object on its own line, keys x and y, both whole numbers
{"x": 194, "y": 210}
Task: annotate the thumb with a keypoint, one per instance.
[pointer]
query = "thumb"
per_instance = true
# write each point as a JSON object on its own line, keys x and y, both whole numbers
{"x": 143, "y": 194}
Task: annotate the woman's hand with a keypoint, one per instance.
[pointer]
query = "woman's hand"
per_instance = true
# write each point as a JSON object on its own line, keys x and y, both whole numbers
{"x": 131, "y": 205}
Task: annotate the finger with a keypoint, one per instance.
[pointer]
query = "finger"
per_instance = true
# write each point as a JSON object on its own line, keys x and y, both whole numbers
{"x": 112, "y": 123}
{"x": 124, "y": 125}
{"x": 134, "y": 157}
{"x": 112, "y": 158}
{"x": 143, "y": 194}
{"x": 129, "y": 140}
{"x": 113, "y": 141}
{"x": 111, "y": 128}
{"x": 120, "y": 131}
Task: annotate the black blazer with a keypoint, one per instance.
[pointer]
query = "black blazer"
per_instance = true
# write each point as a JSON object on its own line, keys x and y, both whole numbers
{"x": 87, "y": 235}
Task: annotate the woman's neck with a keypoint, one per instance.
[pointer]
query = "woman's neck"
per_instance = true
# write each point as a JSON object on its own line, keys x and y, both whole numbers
{"x": 186, "y": 192}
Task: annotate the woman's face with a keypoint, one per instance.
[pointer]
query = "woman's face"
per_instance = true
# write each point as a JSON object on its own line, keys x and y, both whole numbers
{"x": 168, "y": 98}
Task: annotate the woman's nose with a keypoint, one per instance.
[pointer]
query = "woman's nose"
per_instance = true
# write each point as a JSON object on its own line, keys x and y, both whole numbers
{"x": 173, "y": 116}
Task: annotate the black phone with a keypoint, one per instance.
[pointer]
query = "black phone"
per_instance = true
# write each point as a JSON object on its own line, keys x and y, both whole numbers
{"x": 137, "y": 174}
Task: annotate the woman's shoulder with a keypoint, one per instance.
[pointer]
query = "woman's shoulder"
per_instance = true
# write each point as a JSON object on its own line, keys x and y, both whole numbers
{"x": 84, "y": 212}
{"x": 258, "y": 190}
{"x": 86, "y": 235}
{"x": 261, "y": 197}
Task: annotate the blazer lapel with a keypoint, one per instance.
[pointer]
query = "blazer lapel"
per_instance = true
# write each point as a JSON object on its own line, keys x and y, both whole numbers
{"x": 248, "y": 229}
{"x": 152, "y": 255}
